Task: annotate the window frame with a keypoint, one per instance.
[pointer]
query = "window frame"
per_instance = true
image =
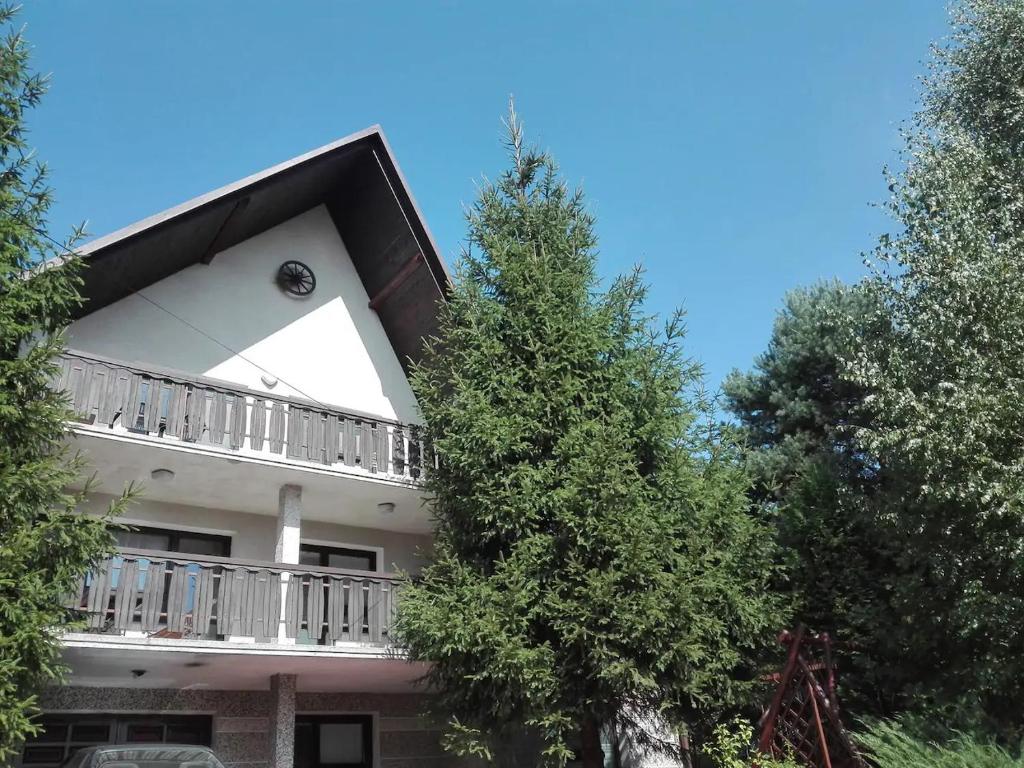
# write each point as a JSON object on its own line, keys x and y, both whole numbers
{"x": 116, "y": 724}
{"x": 326, "y": 548}
{"x": 174, "y": 536}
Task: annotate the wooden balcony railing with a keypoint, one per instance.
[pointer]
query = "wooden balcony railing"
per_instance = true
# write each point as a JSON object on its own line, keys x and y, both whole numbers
{"x": 158, "y": 594}
{"x": 112, "y": 395}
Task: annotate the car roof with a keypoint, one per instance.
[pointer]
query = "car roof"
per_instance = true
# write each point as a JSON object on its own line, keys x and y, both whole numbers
{"x": 146, "y": 745}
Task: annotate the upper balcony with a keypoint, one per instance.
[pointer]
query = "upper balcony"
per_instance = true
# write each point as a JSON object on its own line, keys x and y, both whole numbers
{"x": 163, "y": 407}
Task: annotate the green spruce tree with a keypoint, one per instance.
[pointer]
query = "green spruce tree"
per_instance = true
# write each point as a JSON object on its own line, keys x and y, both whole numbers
{"x": 45, "y": 547}
{"x": 595, "y": 558}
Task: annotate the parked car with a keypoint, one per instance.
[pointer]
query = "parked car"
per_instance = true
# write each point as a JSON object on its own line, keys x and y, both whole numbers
{"x": 144, "y": 756}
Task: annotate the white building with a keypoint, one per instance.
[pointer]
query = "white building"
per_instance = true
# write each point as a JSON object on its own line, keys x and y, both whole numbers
{"x": 243, "y": 356}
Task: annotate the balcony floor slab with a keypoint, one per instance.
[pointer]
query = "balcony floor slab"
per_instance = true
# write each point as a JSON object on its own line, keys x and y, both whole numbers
{"x": 221, "y": 481}
{"x": 195, "y": 665}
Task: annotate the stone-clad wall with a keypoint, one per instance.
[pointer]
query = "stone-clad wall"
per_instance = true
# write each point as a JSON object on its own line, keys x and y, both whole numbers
{"x": 241, "y": 719}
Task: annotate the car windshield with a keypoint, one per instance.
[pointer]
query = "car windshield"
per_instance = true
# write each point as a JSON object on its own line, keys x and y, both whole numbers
{"x": 156, "y": 757}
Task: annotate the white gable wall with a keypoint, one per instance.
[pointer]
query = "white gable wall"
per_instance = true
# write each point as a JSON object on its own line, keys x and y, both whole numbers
{"x": 329, "y": 346}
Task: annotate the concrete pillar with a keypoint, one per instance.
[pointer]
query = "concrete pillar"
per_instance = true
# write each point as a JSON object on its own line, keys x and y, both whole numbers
{"x": 289, "y": 524}
{"x": 286, "y": 550}
{"x": 282, "y": 721}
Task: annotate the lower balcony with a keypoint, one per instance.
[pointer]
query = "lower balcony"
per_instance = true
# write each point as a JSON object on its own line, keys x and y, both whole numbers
{"x": 205, "y": 601}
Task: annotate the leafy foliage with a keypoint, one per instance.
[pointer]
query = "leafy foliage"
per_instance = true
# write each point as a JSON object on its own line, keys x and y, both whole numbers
{"x": 730, "y": 747}
{"x": 891, "y": 745}
{"x": 944, "y": 413}
{"x": 45, "y": 547}
{"x": 887, "y": 415}
{"x": 595, "y": 559}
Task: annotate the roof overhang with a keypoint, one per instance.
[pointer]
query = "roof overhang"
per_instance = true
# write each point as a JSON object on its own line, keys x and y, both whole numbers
{"x": 358, "y": 181}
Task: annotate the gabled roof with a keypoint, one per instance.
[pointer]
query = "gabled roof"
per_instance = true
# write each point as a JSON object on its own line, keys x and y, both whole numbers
{"x": 359, "y": 182}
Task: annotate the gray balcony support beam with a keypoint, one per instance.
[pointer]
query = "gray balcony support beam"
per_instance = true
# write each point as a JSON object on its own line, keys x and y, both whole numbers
{"x": 282, "y": 720}
{"x": 289, "y": 524}
{"x": 289, "y": 531}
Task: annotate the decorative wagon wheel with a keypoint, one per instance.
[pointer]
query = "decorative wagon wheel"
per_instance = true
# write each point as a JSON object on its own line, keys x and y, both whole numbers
{"x": 296, "y": 278}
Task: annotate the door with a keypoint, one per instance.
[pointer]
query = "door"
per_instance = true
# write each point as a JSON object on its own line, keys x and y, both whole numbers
{"x": 334, "y": 741}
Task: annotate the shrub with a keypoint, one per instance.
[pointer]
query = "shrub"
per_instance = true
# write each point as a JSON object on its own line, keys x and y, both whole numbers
{"x": 891, "y": 744}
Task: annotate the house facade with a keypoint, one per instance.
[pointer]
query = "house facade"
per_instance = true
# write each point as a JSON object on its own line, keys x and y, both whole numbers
{"x": 244, "y": 357}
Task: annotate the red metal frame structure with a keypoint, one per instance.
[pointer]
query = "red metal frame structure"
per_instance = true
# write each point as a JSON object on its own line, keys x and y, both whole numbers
{"x": 803, "y": 719}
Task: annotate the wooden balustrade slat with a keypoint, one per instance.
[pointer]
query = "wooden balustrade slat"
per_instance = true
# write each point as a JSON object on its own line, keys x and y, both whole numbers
{"x": 392, "y": 609}
{"x": 153, "y": 595}
{"x": 293, "y": 607}
{"x": 257, "y": 424}
{"x": 373, "y": 611}
{"x": 348, "y": 442}
{"x": 231, "y": 602}
{"x": 335, "y": 608}
{"x": 293, "y": 441}
{"x": 315, "y": 608}
{"x": 415, "y": 453}
{"x": 277, "y": 427}
{"x": 247, "y": 605}
{"x": 356, "y": 606}
{"x": 99, "y": 595}
{"x": 78, "y": 387}
{"x": 154, "y": 398}
{"x": 398, "y": 436}
{"x": 266, "y": 605}
{"x": 381, "y": 450}
{"x": 332, "y": 450}
{"x": 238, "y": 419}
{"x": 133, "y": 403}
{"x": 176, "y": 411}
{"x": 218, "y": 418}
{"x": 193, "y": 426}
{"x": 177, "y": 595}
{"x": 106, "y": 394}
{"x": 203, "y": 610}
{"x": 125, "y": 595}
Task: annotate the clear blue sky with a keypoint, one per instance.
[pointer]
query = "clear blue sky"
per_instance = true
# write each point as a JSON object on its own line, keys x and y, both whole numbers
{"x": 731, "y": 147}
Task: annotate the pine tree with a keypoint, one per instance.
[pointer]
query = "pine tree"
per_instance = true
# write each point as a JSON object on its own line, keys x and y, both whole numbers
{"x": 798, "y": 411}
{"x": 45, "y": 547}
{"x": 595, "y": 557}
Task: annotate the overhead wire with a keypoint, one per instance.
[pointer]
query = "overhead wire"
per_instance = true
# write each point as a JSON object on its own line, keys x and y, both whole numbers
{"x": 135, "y": 291}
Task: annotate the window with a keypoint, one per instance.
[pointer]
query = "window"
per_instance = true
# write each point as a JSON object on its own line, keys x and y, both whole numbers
{"x": 338, "y": 557}
{"x": 333, "y": 741}
{"x": 167, "y": 540}
{"x": 63, "y": 735}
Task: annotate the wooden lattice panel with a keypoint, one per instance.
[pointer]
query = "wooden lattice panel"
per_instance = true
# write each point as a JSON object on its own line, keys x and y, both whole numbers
{"x": 803, "y": 720}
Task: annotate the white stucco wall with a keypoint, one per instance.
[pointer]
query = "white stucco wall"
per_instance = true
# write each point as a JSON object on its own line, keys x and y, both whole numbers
{"x": 253, "y": 536}
{"x": 329, "y": 346}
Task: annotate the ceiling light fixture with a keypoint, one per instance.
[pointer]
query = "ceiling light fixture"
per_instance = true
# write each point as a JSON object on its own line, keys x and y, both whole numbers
{"x": 163, "y": 475}
{"x": 386, "y": 507}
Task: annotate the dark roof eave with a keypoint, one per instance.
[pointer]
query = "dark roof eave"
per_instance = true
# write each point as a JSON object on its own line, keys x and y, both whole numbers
{"x": 359, "y": 180}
